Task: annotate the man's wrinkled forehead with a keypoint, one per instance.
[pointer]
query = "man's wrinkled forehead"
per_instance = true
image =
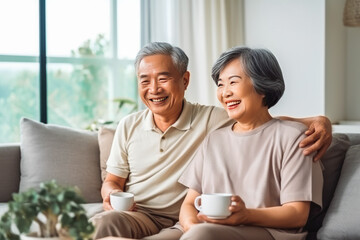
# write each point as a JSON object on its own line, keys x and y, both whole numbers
{"x": 155, "y": 64}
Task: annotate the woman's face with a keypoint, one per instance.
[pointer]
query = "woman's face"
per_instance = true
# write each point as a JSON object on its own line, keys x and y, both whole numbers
{"x": 237, "y": 94}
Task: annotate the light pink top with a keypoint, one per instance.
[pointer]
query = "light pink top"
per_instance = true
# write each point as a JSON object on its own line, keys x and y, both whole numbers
{"x": 264, "y": 166}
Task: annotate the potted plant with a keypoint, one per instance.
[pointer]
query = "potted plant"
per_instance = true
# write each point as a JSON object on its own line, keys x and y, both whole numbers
{"x": 55, "y": 209}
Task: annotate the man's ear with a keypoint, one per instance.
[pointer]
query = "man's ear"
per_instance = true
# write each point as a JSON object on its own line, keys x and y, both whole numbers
{"x": 186, "y": 79}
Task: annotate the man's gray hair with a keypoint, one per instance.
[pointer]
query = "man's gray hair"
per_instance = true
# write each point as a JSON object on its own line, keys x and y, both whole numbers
{"x": 262, "y": 68}
{"x": 180, "y": 60}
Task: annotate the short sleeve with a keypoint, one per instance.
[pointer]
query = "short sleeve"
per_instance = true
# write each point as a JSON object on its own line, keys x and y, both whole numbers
{"x": 301, "y": 177}
{"x": 117, "y": 163}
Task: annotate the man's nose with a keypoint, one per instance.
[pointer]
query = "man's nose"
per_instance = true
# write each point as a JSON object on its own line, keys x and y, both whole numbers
{"x": 154, "y": 87}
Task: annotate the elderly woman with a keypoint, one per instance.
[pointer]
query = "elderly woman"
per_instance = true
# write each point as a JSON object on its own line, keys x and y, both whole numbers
{"x": 257, "y": 159}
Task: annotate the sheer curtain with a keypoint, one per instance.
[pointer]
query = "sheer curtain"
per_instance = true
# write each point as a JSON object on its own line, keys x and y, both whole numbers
{"x": 202, "y": 28}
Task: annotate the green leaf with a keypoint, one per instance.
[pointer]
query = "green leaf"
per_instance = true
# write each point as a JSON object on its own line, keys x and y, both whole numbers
{"x": 23, "y": 224}
{"x": 65, "y": 220}
{"x": 55, "y": 208}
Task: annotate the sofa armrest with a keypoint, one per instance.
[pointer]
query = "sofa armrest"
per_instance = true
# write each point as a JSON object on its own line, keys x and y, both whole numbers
{"x": 9, "y": 170}
{"x": 354, "y": 138}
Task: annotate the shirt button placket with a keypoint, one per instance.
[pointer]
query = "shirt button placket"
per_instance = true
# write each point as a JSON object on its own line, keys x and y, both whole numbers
{"x": 162, "y": 143}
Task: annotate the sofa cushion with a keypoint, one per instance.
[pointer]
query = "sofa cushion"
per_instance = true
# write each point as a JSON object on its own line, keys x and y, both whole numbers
{"x": 105, "y": 138}
{"x": 332, "y": 161}
{"x": 9, "y": 170}
{"x": 342, "y": 219}
{"x": 69, "y": 156}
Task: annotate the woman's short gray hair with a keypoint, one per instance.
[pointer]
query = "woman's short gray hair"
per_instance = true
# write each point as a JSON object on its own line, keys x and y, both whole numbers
{"x": 180, "y": 60}
{"x": 262, "y": 68}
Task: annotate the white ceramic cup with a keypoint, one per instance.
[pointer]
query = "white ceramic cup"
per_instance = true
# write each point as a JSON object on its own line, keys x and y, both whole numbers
{"x": 214, "y": 205}
{"x": 121, "y": 201}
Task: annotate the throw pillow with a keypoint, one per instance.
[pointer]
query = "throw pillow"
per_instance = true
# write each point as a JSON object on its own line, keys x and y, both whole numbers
{"x": 342, "y": 218}
{"x": 105, "y": 138}
{"x": 332, "y": 162}
{"x": 69, "y": 156}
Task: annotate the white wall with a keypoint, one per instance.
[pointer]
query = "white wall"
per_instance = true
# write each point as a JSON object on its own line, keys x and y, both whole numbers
{"x": 335, "y": 61}
{"x": 320, "y": 57}
{"x": 353, "y": 74}
{"x": 294, "y": 32}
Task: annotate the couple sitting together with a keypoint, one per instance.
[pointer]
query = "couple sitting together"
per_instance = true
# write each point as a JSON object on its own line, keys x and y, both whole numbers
{"x": 174, "y": 151}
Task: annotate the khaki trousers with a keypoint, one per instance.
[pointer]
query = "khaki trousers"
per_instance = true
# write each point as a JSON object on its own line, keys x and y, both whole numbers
{"x": 211, "y": 231}
{"x": 135, "y": 225}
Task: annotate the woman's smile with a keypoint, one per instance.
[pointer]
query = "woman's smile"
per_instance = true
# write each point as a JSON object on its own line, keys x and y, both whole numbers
{"x": 232, "y": 104}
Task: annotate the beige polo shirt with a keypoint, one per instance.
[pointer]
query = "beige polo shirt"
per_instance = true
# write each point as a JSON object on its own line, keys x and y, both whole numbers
{"x": 153, "y": 161}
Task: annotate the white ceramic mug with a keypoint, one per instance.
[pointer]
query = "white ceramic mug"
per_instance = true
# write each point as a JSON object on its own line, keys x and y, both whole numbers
{"x": 121, "y": 201}
{"x": 214, "y": 205}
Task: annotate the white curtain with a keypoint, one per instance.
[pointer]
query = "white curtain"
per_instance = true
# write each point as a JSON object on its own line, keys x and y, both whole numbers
{"x": 203, "y": 29}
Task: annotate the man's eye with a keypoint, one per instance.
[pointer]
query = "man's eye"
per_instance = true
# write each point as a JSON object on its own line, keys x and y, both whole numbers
{"x": 144, "y": 82}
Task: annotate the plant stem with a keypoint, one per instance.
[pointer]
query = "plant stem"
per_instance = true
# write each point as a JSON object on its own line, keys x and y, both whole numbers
{"x": 42, "y": 226}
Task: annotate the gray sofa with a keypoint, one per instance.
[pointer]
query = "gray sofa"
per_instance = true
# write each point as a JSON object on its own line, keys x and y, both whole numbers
{"x": 76, "y": 157}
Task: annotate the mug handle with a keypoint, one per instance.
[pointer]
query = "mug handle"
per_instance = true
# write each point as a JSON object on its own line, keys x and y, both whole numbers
{"x": 196, "y": 203}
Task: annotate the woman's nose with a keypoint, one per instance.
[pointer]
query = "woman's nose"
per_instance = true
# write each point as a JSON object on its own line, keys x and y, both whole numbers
{"x": 226, "y": 92}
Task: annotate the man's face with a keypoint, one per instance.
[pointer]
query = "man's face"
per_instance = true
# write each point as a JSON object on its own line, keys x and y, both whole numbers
{"x": 161, "y": 87}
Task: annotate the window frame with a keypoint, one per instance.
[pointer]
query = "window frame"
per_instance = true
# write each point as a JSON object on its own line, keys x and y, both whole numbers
{"x": 43, "y": 59}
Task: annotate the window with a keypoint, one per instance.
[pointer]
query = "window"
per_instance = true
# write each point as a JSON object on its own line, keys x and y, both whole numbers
{"x": 90, "y": 50}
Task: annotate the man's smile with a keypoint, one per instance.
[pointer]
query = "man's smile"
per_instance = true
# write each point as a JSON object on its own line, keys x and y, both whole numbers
{"x": 157, "y": 100}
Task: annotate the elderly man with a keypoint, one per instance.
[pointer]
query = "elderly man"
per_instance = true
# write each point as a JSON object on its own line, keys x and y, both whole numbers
{"x": 151, "y": 148}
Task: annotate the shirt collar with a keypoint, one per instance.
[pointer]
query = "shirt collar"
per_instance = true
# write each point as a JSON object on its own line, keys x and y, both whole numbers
{"x": 182, "y": 123}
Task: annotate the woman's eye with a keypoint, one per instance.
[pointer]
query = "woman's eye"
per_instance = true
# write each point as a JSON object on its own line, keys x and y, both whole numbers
{"x": 220, "y": 84}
